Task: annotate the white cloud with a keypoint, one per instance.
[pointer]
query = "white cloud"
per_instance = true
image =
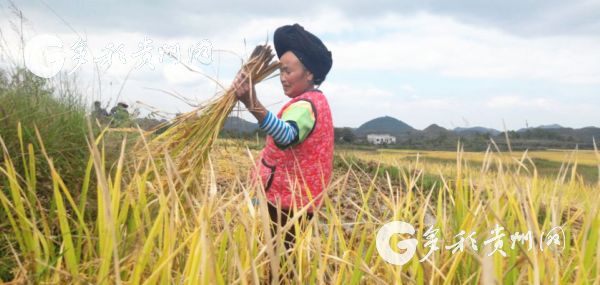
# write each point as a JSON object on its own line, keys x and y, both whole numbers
{"x": 407, "y": 88}
{"x": 426, "y": 42}
{"x": 178, "y": 74}
{"x": 428, "y": 45}
{"x": 351, "y": 106}
{"x": 504, "y": 101}
{"x": 512, "y": 101}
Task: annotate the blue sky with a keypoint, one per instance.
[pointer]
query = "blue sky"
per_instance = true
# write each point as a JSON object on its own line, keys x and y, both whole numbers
{"x": 452, "y": 63}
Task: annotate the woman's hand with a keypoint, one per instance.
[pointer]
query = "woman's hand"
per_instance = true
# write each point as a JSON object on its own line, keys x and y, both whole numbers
{"x": 247, "y": 95}
{"x": 243, "y": 91}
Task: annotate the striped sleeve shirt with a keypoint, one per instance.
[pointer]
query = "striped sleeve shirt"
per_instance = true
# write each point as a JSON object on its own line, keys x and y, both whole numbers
{"x": 296, "y": 122}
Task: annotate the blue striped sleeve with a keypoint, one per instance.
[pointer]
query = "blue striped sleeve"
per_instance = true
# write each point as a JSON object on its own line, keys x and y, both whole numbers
{"x": 283, "y": 133}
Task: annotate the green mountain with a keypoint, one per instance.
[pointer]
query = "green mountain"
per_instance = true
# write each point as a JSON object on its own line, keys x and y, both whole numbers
{"x": 476, "y": 130}
{"x": 437, "y": 137}
{"x": 384, "y": 125}
{"x": 555, "y": 137}
{"x": 435, "y": 129}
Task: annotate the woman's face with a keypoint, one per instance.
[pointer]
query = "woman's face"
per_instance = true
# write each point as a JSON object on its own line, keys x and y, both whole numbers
{"x": 295, "y": 78}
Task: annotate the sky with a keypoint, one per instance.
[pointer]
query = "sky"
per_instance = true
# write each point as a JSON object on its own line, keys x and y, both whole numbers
{"x": 502, "y": 64}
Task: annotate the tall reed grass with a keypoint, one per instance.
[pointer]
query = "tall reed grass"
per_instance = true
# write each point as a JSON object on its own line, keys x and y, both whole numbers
{"x": 148, "y": 233}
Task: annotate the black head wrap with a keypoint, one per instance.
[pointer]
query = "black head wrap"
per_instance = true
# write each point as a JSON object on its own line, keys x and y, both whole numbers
{"x": 309, "y": 49}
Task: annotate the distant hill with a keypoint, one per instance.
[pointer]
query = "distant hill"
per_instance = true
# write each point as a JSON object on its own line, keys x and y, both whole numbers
{"x": 437, "y": 137}
{"x": 543, "y": 127}
{"x": 553, "y": 126}
{"x": 476, "y": 130}
{"x": 432, "y": 133}
{"x": 384, "y": 125}
{"x": 433, "y": 128}
{"x": 476, "y": 138}
{"x": 239, "y": 125}
{"x": 588, "y": 132}
{"x": 563, "y": 138}
{"x": 583, "y": 135}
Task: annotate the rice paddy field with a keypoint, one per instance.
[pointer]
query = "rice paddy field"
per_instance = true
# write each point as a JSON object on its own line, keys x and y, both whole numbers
{"x": 547, "y": 163}
{"x": 124, "y": 227}
{"x": 126, "y": 206}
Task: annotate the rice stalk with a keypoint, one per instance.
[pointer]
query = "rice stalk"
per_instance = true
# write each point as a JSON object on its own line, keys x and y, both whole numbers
{"x": 190, "y": 137}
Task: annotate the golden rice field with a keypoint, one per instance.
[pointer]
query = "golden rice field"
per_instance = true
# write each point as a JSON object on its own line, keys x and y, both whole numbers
{"x": 126, "y": 228}
{"x": 584, "y": 157}
{"x": 548, "y": 163}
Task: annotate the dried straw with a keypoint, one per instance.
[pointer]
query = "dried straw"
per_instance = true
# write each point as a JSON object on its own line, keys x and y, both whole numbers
{"x": 191, "y": 136}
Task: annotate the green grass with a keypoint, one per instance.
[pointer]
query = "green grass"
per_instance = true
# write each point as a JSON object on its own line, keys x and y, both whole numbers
{"x": 59, "y": 113}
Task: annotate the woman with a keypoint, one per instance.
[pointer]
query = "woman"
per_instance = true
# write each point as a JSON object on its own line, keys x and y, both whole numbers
{"x": 296, "y": 164}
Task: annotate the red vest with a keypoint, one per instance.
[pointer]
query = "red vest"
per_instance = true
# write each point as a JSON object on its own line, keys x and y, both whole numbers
{"x": 298, "y": 174}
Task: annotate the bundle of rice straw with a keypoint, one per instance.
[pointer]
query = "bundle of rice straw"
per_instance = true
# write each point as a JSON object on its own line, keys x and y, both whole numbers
{"x": 190, "y": 136}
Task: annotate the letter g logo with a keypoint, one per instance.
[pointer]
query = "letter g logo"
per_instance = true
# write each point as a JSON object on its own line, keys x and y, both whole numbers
{"x": 44, "y": 55}
{"x": 384, "y": 236}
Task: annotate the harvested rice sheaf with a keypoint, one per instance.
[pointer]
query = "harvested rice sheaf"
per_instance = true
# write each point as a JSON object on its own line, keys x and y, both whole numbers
{"x": 190, "y": 137}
